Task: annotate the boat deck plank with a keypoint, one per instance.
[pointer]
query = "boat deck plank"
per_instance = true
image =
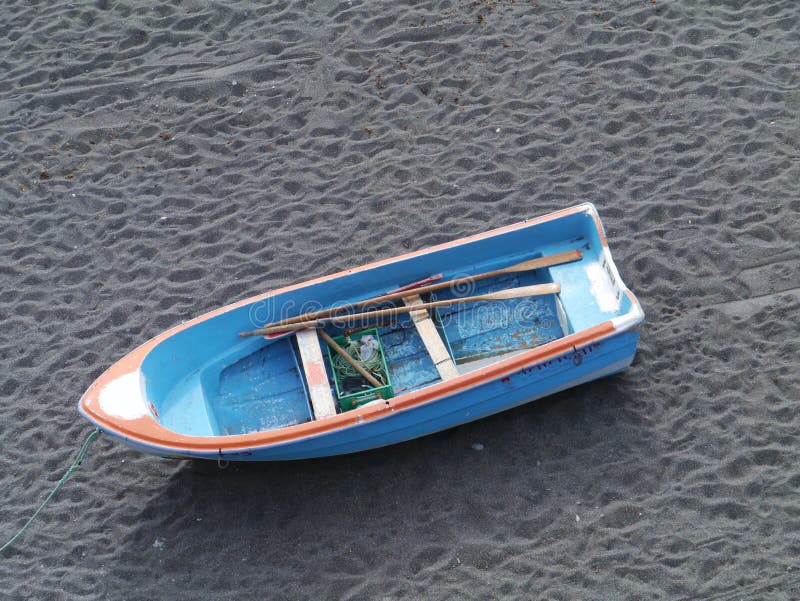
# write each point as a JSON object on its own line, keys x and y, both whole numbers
{"x": 432, "y": 340}
{"x": 319, "y": 389}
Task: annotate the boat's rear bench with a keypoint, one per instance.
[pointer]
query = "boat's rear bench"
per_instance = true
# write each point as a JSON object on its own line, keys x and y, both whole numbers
{"x": 430, "y": 336}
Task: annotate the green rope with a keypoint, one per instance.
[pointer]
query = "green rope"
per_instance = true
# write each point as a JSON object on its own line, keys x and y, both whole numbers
{"x": 373, "y": 364}
{"x": 75, "y": 465}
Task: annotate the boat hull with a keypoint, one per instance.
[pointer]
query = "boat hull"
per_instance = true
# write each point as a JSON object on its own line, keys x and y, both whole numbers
{"x": 201, "y": 391}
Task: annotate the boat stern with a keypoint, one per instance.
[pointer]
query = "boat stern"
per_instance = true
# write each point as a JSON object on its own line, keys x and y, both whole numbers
{"x": 608, "y": 292}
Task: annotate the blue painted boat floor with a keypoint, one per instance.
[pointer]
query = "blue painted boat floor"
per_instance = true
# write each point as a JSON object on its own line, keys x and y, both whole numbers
{"x": 262, "y": 391}
{"x": 481, "y": 330}
{"x": 409, "y": 363}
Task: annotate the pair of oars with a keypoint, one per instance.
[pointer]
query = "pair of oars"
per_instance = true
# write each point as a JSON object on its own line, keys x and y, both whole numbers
{"x": 319, "y": 318}
{"x": 520, "y": 292}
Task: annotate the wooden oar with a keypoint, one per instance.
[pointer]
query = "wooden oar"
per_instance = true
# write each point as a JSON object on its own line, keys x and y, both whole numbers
{"x": 536, "y": 290}
{"x": 368, "y": 326}
{"x": 548, "y": 261}
{"x": 346, "y": 356}
{"x": 418, "y": 284}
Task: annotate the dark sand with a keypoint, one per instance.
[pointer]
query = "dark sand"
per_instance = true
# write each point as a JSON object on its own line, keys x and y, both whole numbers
{"x": 161, "y": 161}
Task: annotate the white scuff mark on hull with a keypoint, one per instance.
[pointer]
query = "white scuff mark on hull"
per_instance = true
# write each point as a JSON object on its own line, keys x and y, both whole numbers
{"x": 603, "y": 288}
{"x": 124, "y": 397}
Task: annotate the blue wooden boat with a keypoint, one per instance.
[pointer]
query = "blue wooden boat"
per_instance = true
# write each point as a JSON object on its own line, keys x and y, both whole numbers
{"x": 200, "y": 390}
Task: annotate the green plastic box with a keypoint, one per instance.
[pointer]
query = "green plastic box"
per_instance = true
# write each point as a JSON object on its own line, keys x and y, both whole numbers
{"x": 348, "y": 401}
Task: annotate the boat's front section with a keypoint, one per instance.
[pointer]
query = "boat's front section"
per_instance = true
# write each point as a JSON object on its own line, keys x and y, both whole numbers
{"x": 118, "y": 404}
{"x": 201, "y": 391}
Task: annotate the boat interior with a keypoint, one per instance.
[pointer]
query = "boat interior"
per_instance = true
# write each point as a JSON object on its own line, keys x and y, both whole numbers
{"x": 231, "y": 385}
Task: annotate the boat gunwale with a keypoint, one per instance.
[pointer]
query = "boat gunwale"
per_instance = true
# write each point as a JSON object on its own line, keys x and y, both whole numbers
{"x": 147, "y": 432}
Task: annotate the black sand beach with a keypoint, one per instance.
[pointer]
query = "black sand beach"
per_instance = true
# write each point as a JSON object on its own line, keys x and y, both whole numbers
{"x": 158, "y": 160}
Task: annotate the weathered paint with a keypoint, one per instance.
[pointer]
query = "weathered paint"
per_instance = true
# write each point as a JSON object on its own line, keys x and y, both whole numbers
{"x": 124, "y": 398}
{"x": 605, "y": 293}
{"x": 319, "y": 389}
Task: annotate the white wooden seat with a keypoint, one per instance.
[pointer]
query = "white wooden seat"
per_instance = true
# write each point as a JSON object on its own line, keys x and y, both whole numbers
{"x": 432, "y": 340}
{"x": 319, "y": 388}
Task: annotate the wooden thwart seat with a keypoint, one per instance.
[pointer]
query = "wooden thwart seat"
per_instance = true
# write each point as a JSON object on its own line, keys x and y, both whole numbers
{"x": 432, "y": 340}
{"x": 319, "y": 389}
